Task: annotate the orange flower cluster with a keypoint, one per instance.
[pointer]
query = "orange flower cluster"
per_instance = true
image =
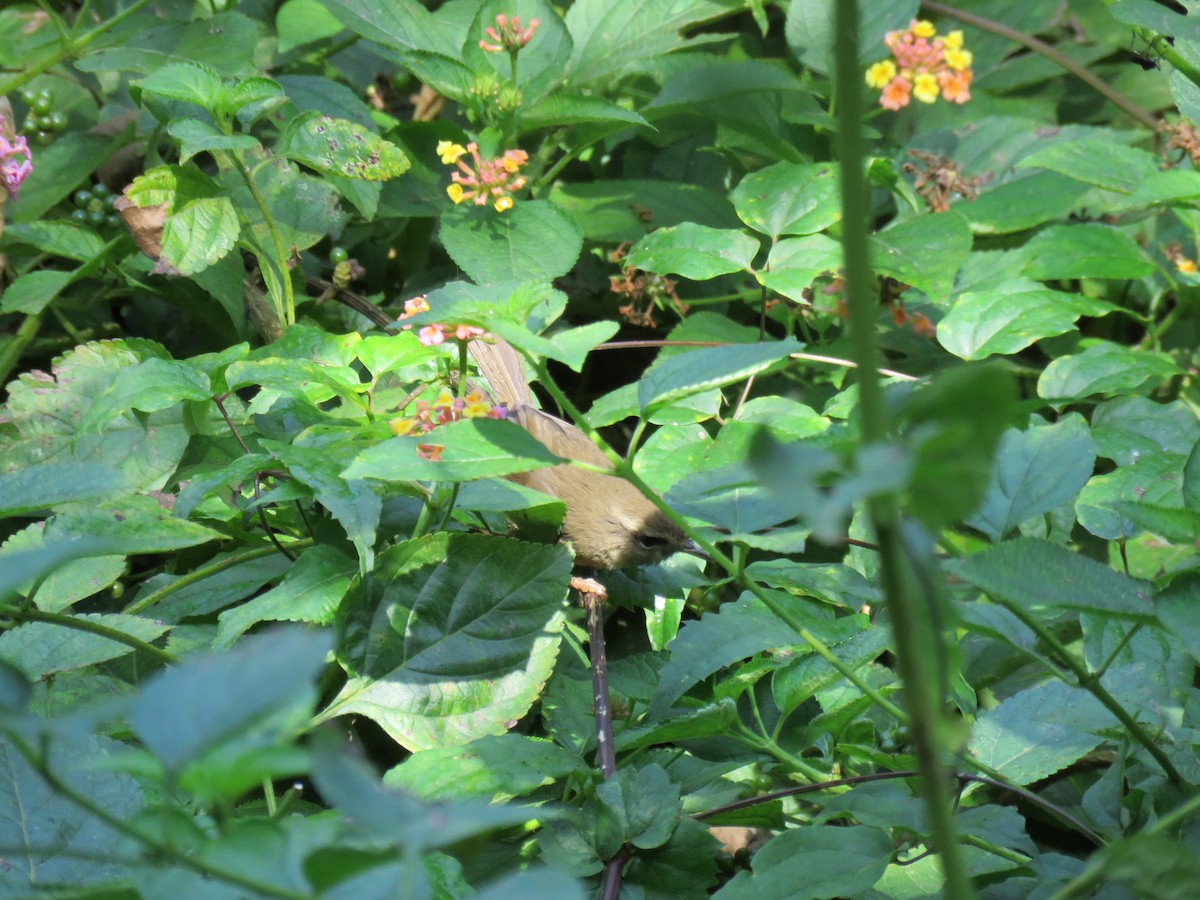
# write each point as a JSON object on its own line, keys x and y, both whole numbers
{"x": 924, "y": 66}
{"x": 432, "y": 335}
{"x": 491, "y": 180}
{"x": 445, "y": 409}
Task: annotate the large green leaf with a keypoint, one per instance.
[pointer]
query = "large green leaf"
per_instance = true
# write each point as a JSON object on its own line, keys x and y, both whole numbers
{"x": 453, "y": 637}
{"x": 189, "y": 709}
{"x": 612, "y": 38}
{"x": 512, "y": 246}
{"x": 471, "y": 448}
{"x": 1103, "y": 368}
{"x": 1065, "y": 580}
{"x": 812, "y": 862}
{"x": 50, "y": 840}
{"x": 699, "y": 370}
{"x": 507, "y": 764}
{"x": 1010, "y": 317}
{"x": 309, "y": 592}
{"x": 1085, "y": 250}
{"x": 1039, "y": 731}
{"x": 45, "y": 410}
{"x": 789, "y": 199}
{"x": 40, "y": 649}
{"x": 1036, "y": 471}
{"x": 925, "y": 252}
{"x": 693, "y": 251}
{"x": 339, "y": 147}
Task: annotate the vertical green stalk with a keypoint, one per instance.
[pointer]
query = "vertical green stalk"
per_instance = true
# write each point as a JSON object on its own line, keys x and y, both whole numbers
{"x": 899, "y": 582}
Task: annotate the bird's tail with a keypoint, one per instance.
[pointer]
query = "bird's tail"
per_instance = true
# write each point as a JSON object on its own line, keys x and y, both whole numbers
{"x": 502, "y": 367}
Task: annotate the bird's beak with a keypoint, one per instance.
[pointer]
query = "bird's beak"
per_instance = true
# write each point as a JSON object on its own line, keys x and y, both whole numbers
{"x": 689, "y": 546}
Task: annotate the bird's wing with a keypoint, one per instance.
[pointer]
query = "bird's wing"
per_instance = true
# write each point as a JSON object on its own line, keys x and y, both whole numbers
{"x": 501, "y": 365}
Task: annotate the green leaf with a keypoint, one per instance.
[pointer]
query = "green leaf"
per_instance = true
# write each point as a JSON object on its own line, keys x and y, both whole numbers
{"x": 1065, "y": 580}
{"x": 137, "y": 523}
{"x": 716, "y": 640}
{"x": 185, "y": 711}
{"x": 64, "y": 239}
{"x": 1021, "y": 203}
{"x": 44, "y": 411}
{"x": 506, "y": 764}
{"x": 176, "y": 186}
{"x": 1039, "y": 731}
{"x": 1178, "y": 525}
{"x": 186, "y": 82}
{"x": 810, "y": 35}
{"x": 612, "y": 37}
{"x": 813, "y": 862}
{"x": 453, "y": 637}
{"x": 1036, "y": 471}
{"x": 224, "y": 43}
{"x": 560, "y": 109}
{"x": 616, "y": 211}
{"x": 339, "y": 147}
{"x": 925, "y": 252}
{"x": 252, "y": 99}
{"x": 954, "y": 423}
{"x": 795, "y": 263}
{"x": 699, "y": 370}
{"x": 40, "y": 649}
{"x": 149, "y": 386}
{"x": 787, "y": 198}
{"x": 1103, "y": 368}
{"x": 644, "y": 804}
{"x": 355, "y": 504}
{"x": 1085, "y": 250}
{"x": 693, "y": 251}
{"x": 1156, "y": 478}
{"x": 1009, "y": 318}
{"x": 512, "y": 246}
{"x": 34, "y": 291}
{"x": 195, "y": 136}
{"x": 52, "y": 843}
{"x": 42, "y": 487}
{"x": 71, "y": 580}
{"x": 309, "y": 592}
{"x": 471, "y": 448}
{"x": 302, "y": 209}
{"x": 1095, "y": 161}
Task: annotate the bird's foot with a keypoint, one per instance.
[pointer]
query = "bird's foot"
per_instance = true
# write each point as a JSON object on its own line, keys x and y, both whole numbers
{"x": 590, "y": 586}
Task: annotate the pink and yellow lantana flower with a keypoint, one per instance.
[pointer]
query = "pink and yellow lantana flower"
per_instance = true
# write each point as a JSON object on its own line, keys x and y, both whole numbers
{"x": 923, "y": 65}
{"x": 483, "y": 181}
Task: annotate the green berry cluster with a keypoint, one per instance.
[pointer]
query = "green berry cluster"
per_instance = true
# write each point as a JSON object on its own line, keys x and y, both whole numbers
{"x": 43, "y": 121}
{"x": 94, "y": 206}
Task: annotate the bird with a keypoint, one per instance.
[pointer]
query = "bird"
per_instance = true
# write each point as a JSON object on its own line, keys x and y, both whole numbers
{"x": 609, "y": 523}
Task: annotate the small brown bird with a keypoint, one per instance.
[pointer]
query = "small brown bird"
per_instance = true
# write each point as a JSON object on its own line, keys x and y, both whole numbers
{"x": 608, "y": 522}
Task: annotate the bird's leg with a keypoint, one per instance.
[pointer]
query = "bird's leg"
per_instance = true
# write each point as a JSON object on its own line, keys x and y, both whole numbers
{"x": 593, "y": 595}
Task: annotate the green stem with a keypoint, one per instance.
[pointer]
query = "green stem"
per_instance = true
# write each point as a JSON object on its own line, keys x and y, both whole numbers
{"x": 208, "y": 571}
{"x": 87, "y": 625}
{"x": 157, "y": 847}
{"x": 287, "y": 314}
{"x": 1090, "y": 682}
{"x": 1038, "y": 46}
{"x": 899, "y": 580}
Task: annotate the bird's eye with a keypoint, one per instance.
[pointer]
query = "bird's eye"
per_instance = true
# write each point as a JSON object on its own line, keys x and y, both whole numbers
{"x": 650, "y": 541}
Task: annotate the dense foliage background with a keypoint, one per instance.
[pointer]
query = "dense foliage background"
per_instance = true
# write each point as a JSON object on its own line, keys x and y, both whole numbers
{"x": 947, "y": 641}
